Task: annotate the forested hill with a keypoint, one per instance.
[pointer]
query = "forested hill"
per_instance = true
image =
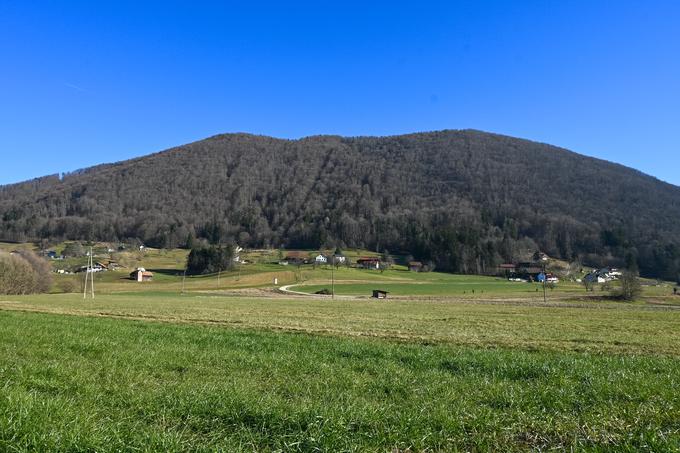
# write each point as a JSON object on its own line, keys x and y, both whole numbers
{"x": 464, "y": 199}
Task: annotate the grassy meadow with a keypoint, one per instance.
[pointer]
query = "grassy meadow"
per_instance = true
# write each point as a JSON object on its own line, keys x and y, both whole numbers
{"x": 232, "y": 363}
{"x": 95, "y": 384}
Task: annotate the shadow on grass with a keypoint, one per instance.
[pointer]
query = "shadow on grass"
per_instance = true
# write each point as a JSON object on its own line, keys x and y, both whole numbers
{"x": 171, "y": 272}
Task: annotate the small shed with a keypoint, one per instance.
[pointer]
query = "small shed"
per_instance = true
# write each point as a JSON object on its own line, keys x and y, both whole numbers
{"x": 141, "y": 275}
{"x": 379, "y": 294}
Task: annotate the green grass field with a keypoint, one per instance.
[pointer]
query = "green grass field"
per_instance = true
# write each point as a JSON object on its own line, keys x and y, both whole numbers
{"x": 234, "y": 364}
{"x": 92, "y": 384}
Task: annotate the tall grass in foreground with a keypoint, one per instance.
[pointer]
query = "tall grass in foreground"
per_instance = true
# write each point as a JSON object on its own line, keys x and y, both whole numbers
{"x": 86, "y": 384}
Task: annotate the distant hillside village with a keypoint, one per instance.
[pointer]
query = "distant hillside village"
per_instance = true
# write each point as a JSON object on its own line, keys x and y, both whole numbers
{"x": 537, "y": 267}
{"x": 290, "y": 258}
{"x": 543, "y": 269}
{"x": 138, "y": 264}
{"x": 113, "y": 258}
{"x": 382, "y": 262}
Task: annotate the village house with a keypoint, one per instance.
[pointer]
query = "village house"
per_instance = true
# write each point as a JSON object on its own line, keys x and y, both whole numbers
{"x": 321, "y": 259}
{"x": 237, "y": 255}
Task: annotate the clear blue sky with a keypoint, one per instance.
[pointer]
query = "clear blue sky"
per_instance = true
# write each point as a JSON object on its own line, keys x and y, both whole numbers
{"x": 91, "y": 82}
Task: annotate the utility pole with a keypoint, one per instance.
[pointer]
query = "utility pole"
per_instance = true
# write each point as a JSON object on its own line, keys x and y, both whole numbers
{"x": 89, "y": 273}
{"x": 545, "y": 278}
{"x": 219, "y": 272}
{"x": 332, "y": 276}
{"x": 184, "y": 277}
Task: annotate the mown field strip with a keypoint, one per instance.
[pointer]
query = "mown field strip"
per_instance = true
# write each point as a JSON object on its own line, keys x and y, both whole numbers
{"x": 577, "y": 326}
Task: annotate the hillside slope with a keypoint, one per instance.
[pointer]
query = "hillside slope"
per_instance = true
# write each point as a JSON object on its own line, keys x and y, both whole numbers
{"x": 463, "y": 199}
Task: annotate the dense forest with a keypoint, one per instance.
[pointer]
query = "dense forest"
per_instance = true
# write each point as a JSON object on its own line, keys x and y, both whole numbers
{"x": 465, "y": 200}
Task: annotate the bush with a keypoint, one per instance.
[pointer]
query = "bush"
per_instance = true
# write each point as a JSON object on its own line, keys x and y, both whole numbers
{"x": 630, "y": 287}
{"x": 24, "y": 273}
{"x": 588, "y": 285}
{"x": 42, "y": 269}
{"x": 67, "y": 286}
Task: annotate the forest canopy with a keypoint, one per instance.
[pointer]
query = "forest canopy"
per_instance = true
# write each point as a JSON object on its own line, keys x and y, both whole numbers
{"x": 464, "y": 200}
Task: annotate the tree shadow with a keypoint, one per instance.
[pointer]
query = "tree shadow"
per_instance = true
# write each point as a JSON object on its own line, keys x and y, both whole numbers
{"x": 171, "y": 272}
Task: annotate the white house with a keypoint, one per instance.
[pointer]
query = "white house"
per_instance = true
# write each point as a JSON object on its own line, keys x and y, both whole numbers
{"x": 321, "y": 259}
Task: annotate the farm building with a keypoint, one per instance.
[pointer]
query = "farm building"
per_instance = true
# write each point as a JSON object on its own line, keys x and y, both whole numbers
{"x": 296, "y": 258}
{"x": 108, "y": 265}
{"x": 507, "y": 268}
{"x": 415, "y": 266}
{"x": 368, "y": 263}
{"x": 141, "y": 275}
{"x": 379, "y": 294}
{"x": 339, "y": 259}
{"x": 97, "y": 267}
{"x": 540, "y": 256}
{"x": 321, "y": 259}
{"x": 603, "y": 275}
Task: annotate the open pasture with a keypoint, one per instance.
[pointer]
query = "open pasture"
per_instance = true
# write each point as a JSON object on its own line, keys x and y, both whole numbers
{"x": 584, "y": 325}
{"x": 74, "y": 383}
{"x": 229, "y": 362}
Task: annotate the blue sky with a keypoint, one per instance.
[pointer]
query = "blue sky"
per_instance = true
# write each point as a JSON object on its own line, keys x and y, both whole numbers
{"x": 83, "y": 83}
